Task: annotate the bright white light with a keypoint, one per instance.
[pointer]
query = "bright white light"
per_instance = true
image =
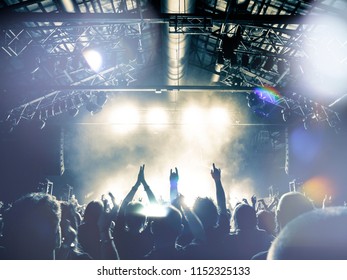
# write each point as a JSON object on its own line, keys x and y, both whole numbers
{"x": 94, "y": 59}
{"x": 326, "y": 53}
{"x": 125, "y": 118}
{"x": 193, "y": 116}
{"x": 218, "y": 116}
{"x": 154, "y": 210}
{"x": 157, "y": 116}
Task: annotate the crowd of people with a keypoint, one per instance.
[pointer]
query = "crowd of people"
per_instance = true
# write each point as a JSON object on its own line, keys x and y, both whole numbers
{"x": 37, "y": 226}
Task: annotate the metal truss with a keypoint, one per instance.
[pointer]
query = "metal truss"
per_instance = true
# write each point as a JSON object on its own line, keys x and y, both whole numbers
{"x": 192, "y": 25}
{"x": 56, "y": 101}
{"x": 262, "y": 36}
{"x": 67, "y": 39}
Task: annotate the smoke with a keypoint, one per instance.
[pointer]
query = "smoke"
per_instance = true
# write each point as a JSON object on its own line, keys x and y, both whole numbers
{"x": 106, "y": 155}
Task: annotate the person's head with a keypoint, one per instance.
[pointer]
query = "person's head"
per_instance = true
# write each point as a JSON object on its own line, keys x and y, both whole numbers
{"x": 167, "y": 228}
{"x": 68, "y": 224}
{"x": 290, "y": 206}
{"x": 207, "y": 212}
{"x": 32, "y": 227}
{"x": 245, "y": 217}
{"x": 267, "y": 221}
{"x": 135, "y": 219}
{"x": 93, "y": 212}
{"x": 316, "y": 235}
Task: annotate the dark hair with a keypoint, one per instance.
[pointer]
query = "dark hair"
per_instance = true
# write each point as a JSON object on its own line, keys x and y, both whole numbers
{"x": 207, "y": 211}
{"x": 32, "y": 225}
{"x": 169, "y": 226}
{"x": 245, "y": 217}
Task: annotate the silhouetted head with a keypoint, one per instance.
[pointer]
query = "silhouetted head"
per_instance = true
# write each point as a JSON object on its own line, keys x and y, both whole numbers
{"x": 245, "y": 217}
{"x": 32, "y": 227}
{"x": 267, "y": 221}
{"x": 316, "y": 235}
{"x": 93, "y": 212}
{"x": 167, "y": 228}
{"x": 134, "y": 217}
{"x": 290, "y": 206}
{"x": 207, "y": 212}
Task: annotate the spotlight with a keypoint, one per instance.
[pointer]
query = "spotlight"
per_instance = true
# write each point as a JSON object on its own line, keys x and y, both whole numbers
{"x": 157, "y": 116}
{"x": 193, "y": 116}
{"x": 219, "y": 116}
{"x": 93, "y": 58}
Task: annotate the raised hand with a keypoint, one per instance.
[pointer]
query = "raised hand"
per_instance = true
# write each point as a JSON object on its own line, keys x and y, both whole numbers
{"x": 174, "y": 176}
{"x": 215, "y": 173}
{"x": 254, "y": 200}
{"x": 327, "y": 201}
{"x": 139, "y": 176}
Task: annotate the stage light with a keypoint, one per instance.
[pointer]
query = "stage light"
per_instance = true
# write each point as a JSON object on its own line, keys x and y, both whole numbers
{"x": 126, "y": 115}
{"x": 157, "y": 116}
{"x": 124, "y": 119}
{"x": 93, "y": 58}
{"x": 192, "y": 116}
{"x": 218, "y": 116}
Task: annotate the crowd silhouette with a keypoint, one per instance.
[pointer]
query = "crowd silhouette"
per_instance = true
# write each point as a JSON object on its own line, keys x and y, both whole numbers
{"x": 37, "y": 226}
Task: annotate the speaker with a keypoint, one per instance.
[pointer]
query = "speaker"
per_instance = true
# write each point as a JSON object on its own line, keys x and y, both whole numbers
{"x": 51, "y": 151}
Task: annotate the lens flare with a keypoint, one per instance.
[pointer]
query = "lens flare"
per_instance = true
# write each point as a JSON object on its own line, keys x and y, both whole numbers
{"x": 317, "y": 188}
{"x": 268, "y": 94}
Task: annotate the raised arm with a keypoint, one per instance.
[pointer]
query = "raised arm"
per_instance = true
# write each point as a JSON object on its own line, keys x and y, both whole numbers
{"x": 108, "y": 249}
{"x": 195, "y": 225}
{"x": 130, "y": 196}
{"x": 221, "y": 201}
{"x": 150, "y": 194}
{"x": 173, "y": 184}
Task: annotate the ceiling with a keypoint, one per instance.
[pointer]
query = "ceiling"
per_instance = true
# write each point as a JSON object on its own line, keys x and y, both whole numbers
{"x": 162, "y": 48}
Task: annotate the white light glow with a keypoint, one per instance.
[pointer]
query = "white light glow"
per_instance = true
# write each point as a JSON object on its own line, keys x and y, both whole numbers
{"x": 157, "y": 117}
{"x": 193, "y": 116}
{"x": 154, "y": 210}
{"x": 94, "y": 59}
{"x": 125, "y": 118}
{"x": 324, "y": 70}
{"x": 219, "y": 116}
